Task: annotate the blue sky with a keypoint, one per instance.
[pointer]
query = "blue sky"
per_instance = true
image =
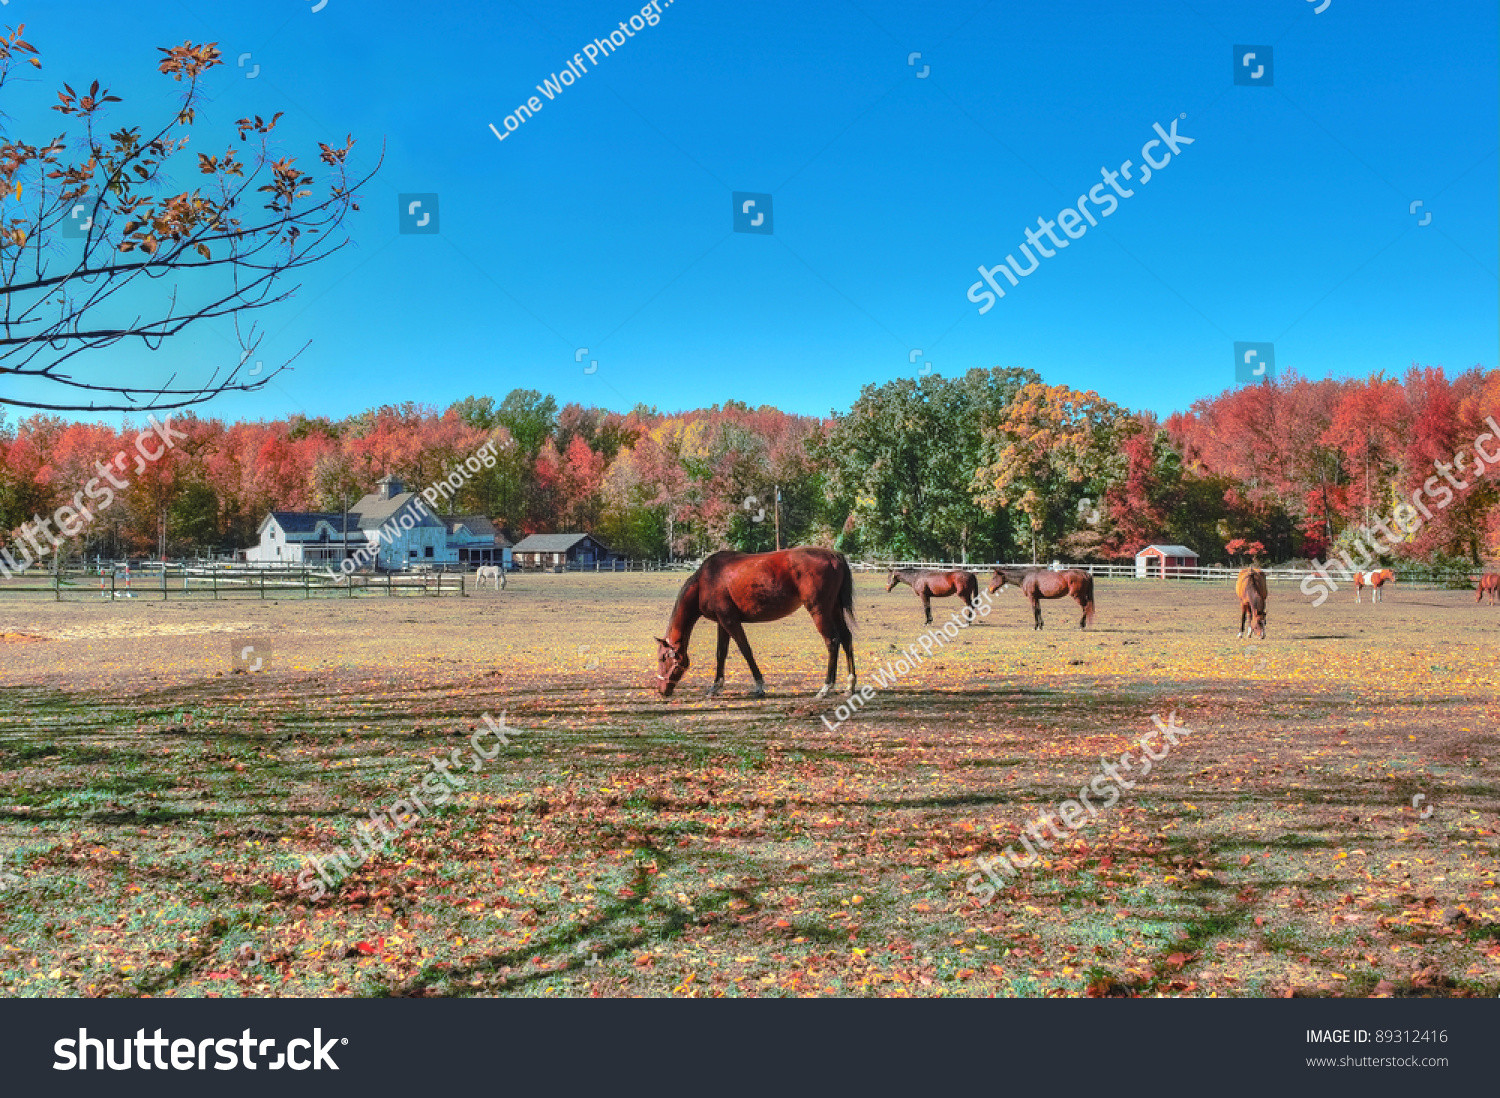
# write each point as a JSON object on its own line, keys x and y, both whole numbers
{"x": 604, "y": 221}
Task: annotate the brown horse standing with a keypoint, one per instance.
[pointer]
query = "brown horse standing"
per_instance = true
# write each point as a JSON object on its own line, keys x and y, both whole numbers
{"x": 1250, "y": 586}
{"x": 733, "y": 588}
{"x": 1374, "y": 581}
{"x": 930, "y": 583}
{"x": 1043, "y": 583}
{"x": 1488, "y": 585}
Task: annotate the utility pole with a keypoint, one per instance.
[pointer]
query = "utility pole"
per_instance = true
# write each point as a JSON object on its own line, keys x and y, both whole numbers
{"x": 777, "y": 507}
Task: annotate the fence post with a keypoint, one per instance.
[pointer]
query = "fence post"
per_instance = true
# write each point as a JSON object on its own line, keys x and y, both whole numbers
{"x": 213, "y": 575}
{"x": 111, "y": 583}
{"x": 163, "y": 581}
{"x": 56, "y": 586}
{"x": 460, "y": 585}
{"x": 262, "y": 586}
{"x": 389, "y": 590}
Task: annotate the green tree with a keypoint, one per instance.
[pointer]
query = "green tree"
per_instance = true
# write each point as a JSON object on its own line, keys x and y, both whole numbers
{"x": 900, "y": 466}
{"x": 530, "y": 417}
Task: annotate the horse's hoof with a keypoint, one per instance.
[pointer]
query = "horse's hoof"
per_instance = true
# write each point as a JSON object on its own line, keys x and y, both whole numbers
{"x": 823, "y": 693}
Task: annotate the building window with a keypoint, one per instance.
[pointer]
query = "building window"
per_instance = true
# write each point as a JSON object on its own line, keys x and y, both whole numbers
{"x": 427, "y": 551}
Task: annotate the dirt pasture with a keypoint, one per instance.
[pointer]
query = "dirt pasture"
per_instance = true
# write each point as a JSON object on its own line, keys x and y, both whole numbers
{"x": 1328, "y": 827}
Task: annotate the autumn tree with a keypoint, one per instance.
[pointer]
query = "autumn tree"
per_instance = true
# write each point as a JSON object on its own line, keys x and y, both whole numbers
{"x": 99, "y": 245}
{"x": 1050, "y": 448}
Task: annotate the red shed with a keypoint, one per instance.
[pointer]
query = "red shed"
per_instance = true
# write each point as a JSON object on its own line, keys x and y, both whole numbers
{"x": 1162, "y": 561}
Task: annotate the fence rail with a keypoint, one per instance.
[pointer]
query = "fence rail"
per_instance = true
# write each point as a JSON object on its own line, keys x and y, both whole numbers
{"x": 226, "y": 580}
{"x": 1218, "y": 573}
{"x": 168, "y": 580}
{"x": 178, "y": 583}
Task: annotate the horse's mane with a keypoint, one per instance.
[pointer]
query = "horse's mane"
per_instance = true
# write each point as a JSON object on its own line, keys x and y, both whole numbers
{"x": 689, "y": 584}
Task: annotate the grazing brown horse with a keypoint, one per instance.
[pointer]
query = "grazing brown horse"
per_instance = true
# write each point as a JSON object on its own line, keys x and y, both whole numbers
{"x": 1374, "y": 581}
{"x": 1489, "y": 585}
{"x": 930, "y": 583}
{"x": 1251, "y": 588}
{"x": 733, "y": 588}
{"x": 1043, "y": 583}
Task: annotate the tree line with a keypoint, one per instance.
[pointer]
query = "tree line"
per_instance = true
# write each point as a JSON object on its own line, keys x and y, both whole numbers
{"x": 993, "y": 465}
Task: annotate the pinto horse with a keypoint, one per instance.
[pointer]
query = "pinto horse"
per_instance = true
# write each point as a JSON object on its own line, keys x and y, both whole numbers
{"x": 1374, "y": 581}
{"x": 930, "y": 583}
{"x": 1489, "y": 585}
{"x": 1250, "y": 586}
{"x": 1043, "y": 583}
{"x": 733, "y": 588}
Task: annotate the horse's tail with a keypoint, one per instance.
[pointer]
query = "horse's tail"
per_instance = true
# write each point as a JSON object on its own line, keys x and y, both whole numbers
{"x": 1088, "y": 597}
{"x": 846, "y": 592}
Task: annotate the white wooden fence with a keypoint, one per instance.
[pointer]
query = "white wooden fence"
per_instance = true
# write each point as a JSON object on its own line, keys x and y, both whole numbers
{"x": 1410, "y": 576}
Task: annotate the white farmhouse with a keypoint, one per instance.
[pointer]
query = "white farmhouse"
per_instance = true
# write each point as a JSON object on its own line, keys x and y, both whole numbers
{"x": 388, "y": 529}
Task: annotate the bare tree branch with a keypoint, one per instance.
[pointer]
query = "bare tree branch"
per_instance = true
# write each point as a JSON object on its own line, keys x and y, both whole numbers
{"x": 83, "y": 237}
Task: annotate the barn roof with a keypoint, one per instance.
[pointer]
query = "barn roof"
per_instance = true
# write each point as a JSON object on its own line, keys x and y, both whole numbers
{"x": 306, "y": 522}
{"x": 375, "y": 511}
{"x": 478, "y": 525}
{"x": 552, "y": 543}
{"x": 1169, "y": 550}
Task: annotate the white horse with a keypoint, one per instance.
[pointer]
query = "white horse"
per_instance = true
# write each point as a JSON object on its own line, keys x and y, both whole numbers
{"x": 489, "y": 572}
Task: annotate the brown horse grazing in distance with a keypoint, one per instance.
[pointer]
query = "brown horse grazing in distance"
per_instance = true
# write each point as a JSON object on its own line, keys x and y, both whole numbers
{"x": 1043, "y": 583}
{"x": 733, "y": 588}
{"x": 1374, "y": 581}
{"x": 1251, "y": 588}
{"x": 1489, "y": 585}
{"x": 930, "y": 583}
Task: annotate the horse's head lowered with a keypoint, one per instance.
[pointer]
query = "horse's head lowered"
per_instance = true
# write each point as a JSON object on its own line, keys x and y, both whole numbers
{"x": 1258, "y": 620}
{"x": 671, "y": 665}
{"x": 895, "y": 578}
{"x": 998, "y": 580}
